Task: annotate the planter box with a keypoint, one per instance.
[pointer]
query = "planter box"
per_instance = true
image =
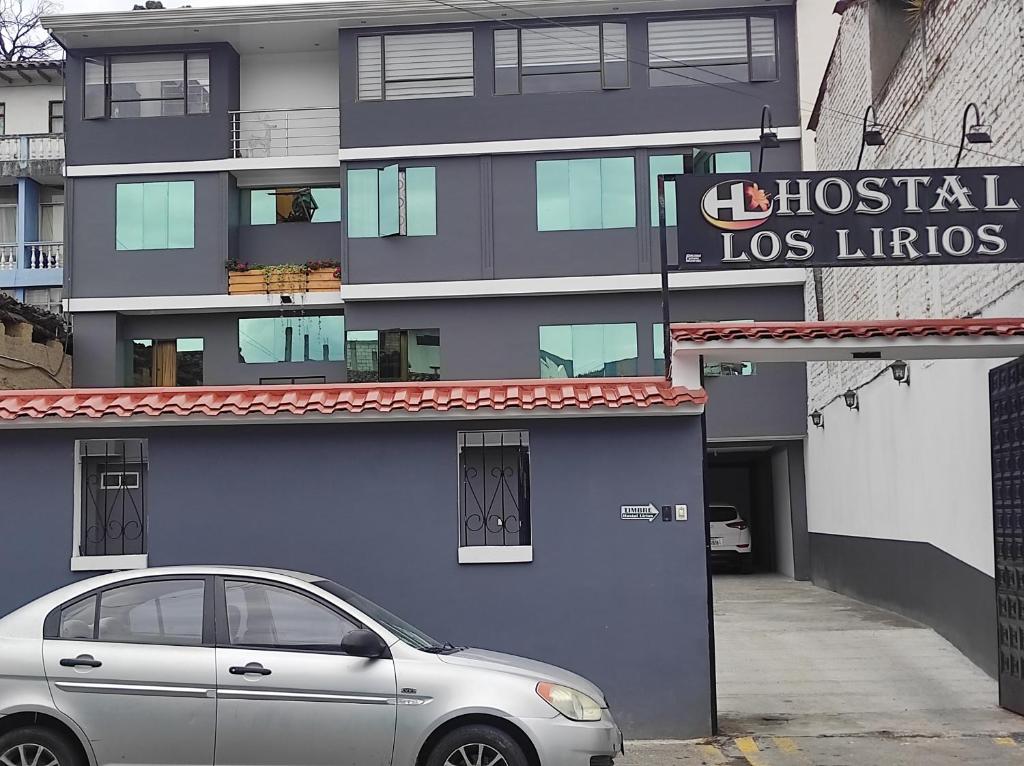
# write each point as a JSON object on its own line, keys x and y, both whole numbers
{"x": 257, "y": 281}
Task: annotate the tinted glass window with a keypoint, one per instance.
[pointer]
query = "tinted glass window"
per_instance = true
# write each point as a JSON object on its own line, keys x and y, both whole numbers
{"x": 291, "y": 339}
{"x": 267, "y": 616}
{"x": 722, "y": 513}
{"x": 78, "y": 621}
{"x": 593, "y": 193}
{"x": 393, "y": 355}
{"x": 588, "y": 350}
{"x": 155, "y": 216}
{"x": 392, "y": 201}
{"x": 159, "y": 612}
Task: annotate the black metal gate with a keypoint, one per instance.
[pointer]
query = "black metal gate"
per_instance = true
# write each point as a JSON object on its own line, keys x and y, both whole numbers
{"x": 1006, "y": 393}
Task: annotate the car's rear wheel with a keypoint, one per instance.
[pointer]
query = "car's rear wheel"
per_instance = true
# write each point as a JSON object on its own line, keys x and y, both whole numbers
{"x": 477, "y": 745}
{"x": 36, "y": 746}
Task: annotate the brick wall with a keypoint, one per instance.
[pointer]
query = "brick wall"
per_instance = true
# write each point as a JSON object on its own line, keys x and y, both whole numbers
{"x": 960, "y": 51}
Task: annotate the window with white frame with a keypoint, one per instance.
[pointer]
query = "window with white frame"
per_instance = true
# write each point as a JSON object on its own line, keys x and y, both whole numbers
{"x": 110, "y": 504}
{"x": 705, "y": 51}
{"x": 409, "y": 66}
{"x": 494, "y": 497}
{"x": 560, "y": 59}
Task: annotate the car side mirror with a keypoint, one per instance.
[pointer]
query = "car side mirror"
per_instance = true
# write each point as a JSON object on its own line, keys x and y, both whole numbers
{"x": 364, "y": 643}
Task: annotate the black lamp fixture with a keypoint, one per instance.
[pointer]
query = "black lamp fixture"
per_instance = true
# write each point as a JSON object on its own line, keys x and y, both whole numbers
{"x": 851, "y": 399}
{"x": 769, "y": 137}
{"x": 817, "y": 419}
{"x": 900, "y": 371}
{"x": 871, "y": 135}
{"x": 978, "y": 133}
{"x": 286, "y": 299}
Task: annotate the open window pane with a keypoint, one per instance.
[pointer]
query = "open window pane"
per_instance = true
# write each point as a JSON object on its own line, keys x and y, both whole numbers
{"x": 661, "y": 165}
{"x": 291, "y": 339}
{"x": 94, "y": 105}
{"x": 328, "y": 204}
{"x": 393, "y": 355}
{"x": 388, "y": 207}
{"x": 506, "y": 61}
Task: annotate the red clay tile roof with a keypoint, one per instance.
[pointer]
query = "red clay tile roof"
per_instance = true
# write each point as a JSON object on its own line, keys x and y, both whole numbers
{"x": 710, "y": 332}
{"x": 345, "y": 398}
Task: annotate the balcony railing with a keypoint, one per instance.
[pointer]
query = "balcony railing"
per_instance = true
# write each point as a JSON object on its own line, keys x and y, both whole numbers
{"x": 285, "y": 132}
{"x": 44, "y": 255}
{"x": 25, "y": 147}
{"x": 8, "y": 257}
{"x": 37, "y": 256}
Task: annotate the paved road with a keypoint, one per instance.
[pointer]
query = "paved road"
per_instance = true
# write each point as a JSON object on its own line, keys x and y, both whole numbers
{"x": 807, "y": 677}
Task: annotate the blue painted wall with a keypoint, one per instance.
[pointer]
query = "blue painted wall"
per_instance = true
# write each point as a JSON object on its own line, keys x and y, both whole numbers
{"x": 375, "y": 507}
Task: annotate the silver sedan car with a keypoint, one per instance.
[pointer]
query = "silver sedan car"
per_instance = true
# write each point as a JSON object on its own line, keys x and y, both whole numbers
{"x": 195, "y": 666}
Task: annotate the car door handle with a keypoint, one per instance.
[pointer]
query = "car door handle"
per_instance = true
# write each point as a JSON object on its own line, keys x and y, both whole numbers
{"x": 85, "y": 661}
{"x": 252, "y": 667}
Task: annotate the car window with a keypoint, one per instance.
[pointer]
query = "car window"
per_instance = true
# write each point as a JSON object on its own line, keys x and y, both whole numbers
{"x": 722, "y": 513}
{"x": 262, "y": 615}
{"x": 153, "y": 612}
{"x": 78, "y": 620}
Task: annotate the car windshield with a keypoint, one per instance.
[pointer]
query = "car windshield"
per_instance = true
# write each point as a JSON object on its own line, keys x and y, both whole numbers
{"x": 410, "y": 634}
{"x": 722, "y": 513}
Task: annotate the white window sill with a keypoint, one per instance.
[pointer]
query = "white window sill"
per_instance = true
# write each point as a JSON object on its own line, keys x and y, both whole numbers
{"x": 108, "y": 563}
{"x": 496, "y": 554}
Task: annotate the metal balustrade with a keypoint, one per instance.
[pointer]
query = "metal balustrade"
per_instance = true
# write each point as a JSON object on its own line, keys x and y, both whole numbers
{"x": 26, "y": 147}
{"x": 285, "y": 132}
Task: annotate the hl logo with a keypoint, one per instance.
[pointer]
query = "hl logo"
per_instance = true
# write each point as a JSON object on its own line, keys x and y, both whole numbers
{"x": 736, "y": 205}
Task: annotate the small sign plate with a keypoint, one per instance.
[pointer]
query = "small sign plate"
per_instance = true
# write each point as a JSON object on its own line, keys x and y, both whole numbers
{"x": 647, "y": 512}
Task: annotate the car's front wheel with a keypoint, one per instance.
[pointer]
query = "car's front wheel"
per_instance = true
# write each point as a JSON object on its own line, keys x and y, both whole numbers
{"x": 36, "y": 746}
{"x": 477, "y": 745}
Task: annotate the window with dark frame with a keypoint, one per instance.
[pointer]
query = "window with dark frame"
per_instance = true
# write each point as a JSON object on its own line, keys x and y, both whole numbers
{"x": 560, "y": 59}
{"x": 146, "y": 85}
{"x": 111, "y": 498}
{"x": 166, "y": 363}
{"x": 56, "y": 117}
{"x": 703, "y": 51}
{"x": 3, "y": 118}
{"x": 388, "y": 356}
{"x": 414, "y": 65}
{"x": 494, "y": 489}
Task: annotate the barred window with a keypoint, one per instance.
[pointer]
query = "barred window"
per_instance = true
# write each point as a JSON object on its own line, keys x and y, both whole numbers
{"x": 494, "y": 493}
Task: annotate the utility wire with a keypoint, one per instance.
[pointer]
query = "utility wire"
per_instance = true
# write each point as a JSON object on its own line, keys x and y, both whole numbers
{"x": 849, "y": 118}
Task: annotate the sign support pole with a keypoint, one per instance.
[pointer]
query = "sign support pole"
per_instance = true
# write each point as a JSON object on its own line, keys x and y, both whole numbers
{"x": 667, "y": 339}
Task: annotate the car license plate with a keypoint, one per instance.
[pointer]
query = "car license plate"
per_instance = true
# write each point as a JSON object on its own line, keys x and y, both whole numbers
{"x": 716, "y": 542}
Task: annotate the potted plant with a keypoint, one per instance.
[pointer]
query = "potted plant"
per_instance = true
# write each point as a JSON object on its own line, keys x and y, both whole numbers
{"x": 312, "y": 276}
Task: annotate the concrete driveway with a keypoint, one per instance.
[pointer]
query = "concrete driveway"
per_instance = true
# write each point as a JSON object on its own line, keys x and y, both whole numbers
{"x": 807, "y": 677}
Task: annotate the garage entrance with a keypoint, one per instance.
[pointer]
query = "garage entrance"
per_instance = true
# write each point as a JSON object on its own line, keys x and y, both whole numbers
{"x": 763, "y": 481}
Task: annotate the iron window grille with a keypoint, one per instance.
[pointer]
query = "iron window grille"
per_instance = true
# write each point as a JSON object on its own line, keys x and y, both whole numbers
{"x": 111, "y": 515}
{"x": 494, "y": 488}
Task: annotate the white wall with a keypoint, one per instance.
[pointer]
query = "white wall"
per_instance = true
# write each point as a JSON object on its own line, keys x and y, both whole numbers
{"x": 288, "y": 80}
{"x": 782, "y": 502}
{"x": 27, "y": 107}
{"x": 816, "y": 27}
{"x": 914, "y": 463}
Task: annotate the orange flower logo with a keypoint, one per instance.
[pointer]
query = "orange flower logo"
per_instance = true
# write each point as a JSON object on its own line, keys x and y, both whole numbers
{"x": 757, "y": 198}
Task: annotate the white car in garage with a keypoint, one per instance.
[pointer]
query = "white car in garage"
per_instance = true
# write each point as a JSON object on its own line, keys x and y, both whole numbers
{"x": 730, "y": 538}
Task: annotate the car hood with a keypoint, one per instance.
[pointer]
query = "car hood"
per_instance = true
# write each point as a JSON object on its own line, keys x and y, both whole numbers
{"x": 520, "y": 666}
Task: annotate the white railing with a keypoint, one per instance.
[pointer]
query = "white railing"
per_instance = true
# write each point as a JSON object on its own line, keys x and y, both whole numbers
{"x": 44, "y": 146}
{"x": 44, "y": 255}
{"x": 8, "y": 257}
{"x": 285, "y": 132}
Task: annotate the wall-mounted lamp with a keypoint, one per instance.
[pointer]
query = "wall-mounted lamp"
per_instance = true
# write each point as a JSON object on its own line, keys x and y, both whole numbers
{"x": 871, "y": 135}
{"x": 900, "y": 371}
{"x": 851, "y": 399}
{"x": 769, "y": 138}
{"x": 977, "y": 134}
{"x": 286, "y": 299}
{"x": 817, "y": 419}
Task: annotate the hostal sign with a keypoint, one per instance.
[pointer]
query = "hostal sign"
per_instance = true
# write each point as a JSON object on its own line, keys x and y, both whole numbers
{"x": 875, "y": 218}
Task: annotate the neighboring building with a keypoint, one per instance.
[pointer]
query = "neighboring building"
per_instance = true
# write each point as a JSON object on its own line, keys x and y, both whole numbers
{"x": 482, "y": 180}
{"x": 900, "y": 492}
{"x": 32, "y": 182}
{"x": 34, "y": 347}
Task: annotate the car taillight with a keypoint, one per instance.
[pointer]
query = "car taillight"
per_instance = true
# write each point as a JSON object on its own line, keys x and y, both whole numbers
{"x": 737, "y": 525}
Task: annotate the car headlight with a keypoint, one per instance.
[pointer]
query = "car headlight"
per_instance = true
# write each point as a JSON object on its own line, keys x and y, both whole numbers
{"x": 574, "y": 705}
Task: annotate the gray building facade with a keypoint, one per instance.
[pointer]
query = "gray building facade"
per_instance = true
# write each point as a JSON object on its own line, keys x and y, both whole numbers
{"x": 482, "y": 185}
